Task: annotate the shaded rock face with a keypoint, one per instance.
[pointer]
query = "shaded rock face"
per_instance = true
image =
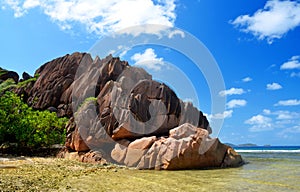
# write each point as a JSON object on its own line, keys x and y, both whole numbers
{"x": 52, "y": 88}
{"x": 118, "y": 113}
{"x": 165, "y": 105}
{"x": 4, "y": 75}
{"x": 25, "y": 76}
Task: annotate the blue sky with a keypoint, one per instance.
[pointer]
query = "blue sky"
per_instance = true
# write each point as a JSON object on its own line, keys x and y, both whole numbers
{"x": 255, "y": 43}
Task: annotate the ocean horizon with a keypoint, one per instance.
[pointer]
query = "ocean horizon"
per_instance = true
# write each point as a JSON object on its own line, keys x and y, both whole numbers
{"x": 267, "y": 149}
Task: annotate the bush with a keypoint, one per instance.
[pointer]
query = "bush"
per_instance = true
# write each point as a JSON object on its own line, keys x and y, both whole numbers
{"x": 20, "y": 124}
{"x": 26, "y": 82}
{"x": 7, "y": 84}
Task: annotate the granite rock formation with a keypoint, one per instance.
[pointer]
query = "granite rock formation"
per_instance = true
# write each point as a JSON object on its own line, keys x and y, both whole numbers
{"x": 186, "y": 147}
{"x": 119, "y": 114}
{"x": 5, "y": 74}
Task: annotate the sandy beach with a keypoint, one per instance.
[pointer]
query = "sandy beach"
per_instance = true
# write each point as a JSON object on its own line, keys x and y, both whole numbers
{"x": 279, "y": 172}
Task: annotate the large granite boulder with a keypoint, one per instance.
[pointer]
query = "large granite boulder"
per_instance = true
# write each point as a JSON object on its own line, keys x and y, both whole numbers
{"x": 119, "y": 114}
{"x": 186, "y": 147}
{"x": 138, "y": 122}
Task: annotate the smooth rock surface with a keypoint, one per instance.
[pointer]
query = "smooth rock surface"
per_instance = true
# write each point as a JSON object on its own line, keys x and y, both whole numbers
{"x": 187, "y": 147}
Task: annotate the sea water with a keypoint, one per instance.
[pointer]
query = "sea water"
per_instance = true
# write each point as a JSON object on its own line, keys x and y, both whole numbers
{"x": 267, "y": 169}
{"x": 268, "y": 149}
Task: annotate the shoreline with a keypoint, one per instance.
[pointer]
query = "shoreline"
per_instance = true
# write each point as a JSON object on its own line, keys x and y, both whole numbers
{"x": 55, "y": 174}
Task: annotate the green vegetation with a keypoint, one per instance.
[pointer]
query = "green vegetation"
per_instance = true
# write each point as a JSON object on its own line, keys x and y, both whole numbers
{"x": 2, "y": 71}
{"x": 87, "y": 101}
{"x": 26, "y": 82}
{"x": 20, "y": 124}
{"x": 9, "y": 83}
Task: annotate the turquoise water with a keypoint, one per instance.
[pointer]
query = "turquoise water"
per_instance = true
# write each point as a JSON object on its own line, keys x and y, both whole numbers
{"x": 269, "y": 168}
{"x": 270, "y": 172}
{"x": 265, "y": 171}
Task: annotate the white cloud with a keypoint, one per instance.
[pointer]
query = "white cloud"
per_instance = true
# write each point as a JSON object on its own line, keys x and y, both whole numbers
{"x": 286, "y": 122}
{"x": 224, "y": 115}
{"x": 292, "y": 63}
{"x": 29, "y": 4}
{"x": 232, "y": 91}
{"x": 284, "y": 116}
{"x": 296, "y": 57}
{"x": 101, "y": 16}
{"x": 259, "y": 123}
{"x": 148, "y": 59}
{"x": 247, "y": 79}
{"x": 294, "y": 129}
{"x": 236, "y": 103}
{"x": 267, "y": 111}
{"x": 290, "y": 102}
{"x": 271, "y": 66}
{"x": 290, "y": 132}
{"x": 271, "y": 22}
{"x": 274, "y": 86}
{"x": 294, "y": 74}
{"x": 15, "y": 6}
{"x": 258, "y": 119}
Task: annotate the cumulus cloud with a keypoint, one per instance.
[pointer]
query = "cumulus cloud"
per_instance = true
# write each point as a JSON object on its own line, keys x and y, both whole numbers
{"x": 290, "y": 102}
{"x": 284, "y": 121}
{"x": 259, "y": 123}
{"x": 29, "y": 4}
{"x": 282, "y": 114}
{"x": 232, "y": 91}
{"x": 247, "y": 79}
{"x": 272, "y": 22}
{"x": 236, "y": 103}
{"x": 274, "y": 86}
{"x": 292, "y": 63}
{"x": 148, "y": 59}
{"x": 267, "y": 111}
{"x": 101, "y": 16}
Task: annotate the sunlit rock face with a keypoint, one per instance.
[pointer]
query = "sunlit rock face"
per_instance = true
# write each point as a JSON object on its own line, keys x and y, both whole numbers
{"x": 118, "y": 113}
